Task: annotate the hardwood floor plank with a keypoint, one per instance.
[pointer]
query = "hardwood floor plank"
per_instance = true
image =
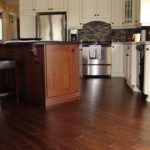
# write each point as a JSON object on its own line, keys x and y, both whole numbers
{"x": 109, "y": 116}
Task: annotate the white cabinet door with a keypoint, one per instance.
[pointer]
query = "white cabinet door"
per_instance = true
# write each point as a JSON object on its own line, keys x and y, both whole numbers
{"x": 125, "y": 14}
{"x": 129, "y": 13}
{"x": 128, "y": 67}
{"x": 131, "y": 66}
{"x": 117, "y": 60}
{"x": 50, "y": 5}
{"x": 88, "y": 10}
{"x": 42, "y": 5}
{"x": 27, "y": 25}
{"x": 145, "y": 11}
{"x": 147, "y": 71}
{"x": 103, "y": 10}
{"x": 127, "y": 49}
{"x": 27, "y": 5}
{"x": 116, "y": 14}
{"x": 57, "y": 5}
{"x": 74, "y": 14}
{"x": 137, "y": 13}
{"x": 95, "y": 10}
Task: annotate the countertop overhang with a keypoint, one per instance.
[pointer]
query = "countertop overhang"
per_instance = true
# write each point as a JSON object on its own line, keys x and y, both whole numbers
{"x": 36, "y": 42}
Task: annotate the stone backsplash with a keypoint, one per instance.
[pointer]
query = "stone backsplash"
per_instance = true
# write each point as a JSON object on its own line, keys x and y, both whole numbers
{"x": 101, "y": 31}
{"x": 95, "y": 31}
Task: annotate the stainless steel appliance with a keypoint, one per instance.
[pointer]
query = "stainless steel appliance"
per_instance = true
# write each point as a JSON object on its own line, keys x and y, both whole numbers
{"x": 51, "y": 26}
{"x": 73, "y": 34}
{"x": 96, "y": 59}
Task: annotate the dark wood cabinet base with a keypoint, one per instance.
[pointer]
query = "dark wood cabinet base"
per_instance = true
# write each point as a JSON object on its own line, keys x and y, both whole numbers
{"x": 49, "y": 73}
{"x": 62, "y": 99}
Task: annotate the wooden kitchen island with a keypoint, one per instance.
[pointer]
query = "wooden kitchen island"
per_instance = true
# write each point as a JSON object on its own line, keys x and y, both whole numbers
{"x": 49, "y": 71}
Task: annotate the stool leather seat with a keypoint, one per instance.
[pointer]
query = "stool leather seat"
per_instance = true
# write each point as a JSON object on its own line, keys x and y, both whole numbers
{"x": 6, "y": 65}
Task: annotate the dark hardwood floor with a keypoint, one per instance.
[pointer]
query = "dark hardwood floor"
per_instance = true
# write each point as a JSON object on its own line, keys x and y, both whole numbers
{"x": 109, "y": 116}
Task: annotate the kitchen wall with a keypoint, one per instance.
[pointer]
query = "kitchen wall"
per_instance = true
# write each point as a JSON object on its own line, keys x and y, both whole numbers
{"x": 7, "y": 9}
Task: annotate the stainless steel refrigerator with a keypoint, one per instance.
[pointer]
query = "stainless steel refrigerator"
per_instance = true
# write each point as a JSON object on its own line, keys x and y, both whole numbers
{"x": 51, "y": 26}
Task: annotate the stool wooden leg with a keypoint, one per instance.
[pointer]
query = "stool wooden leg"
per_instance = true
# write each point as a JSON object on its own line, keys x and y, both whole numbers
{"x": 17, "y": 84}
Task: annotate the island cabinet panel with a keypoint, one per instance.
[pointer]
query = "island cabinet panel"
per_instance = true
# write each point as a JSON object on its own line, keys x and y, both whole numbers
{"x": 75, "y": 68}
{"x": 61, "y": 73}
{"x": 30, "y": 66}
{"x": 33, "y": 68}
{"x": 48, "y": 73}
{"x": 58, "y": 70}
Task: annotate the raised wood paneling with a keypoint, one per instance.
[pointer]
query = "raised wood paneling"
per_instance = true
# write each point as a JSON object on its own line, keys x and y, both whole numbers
{"x": 58, "y": 70}
{"x": 49, "y": 74}
{"x": 75, "y": 68}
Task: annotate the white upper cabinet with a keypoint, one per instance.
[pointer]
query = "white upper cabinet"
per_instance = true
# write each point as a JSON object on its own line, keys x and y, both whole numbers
{"x": 137, "y": 12}
{"x": 42, "y": 5}
{"x": 125, "y": 14}
{"x": 116, "y": 14}
{"x": 104, "y": 10}
{"x": 57, "y": 5}
{"x": 129, "y": 13}
{"x": 27, "y": 5}
{"x": 73, "y": 14}
{"x": 27, "y": 25}
{"x": 50, "y": 5}
{"x": 88, "y": 10}
{"x": 144, "y": 12}
{"x": 95, "y": 10}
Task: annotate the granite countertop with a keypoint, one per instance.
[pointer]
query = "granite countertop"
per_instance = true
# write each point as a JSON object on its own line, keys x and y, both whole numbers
{"x": 56, "y": 42}
{"x": 147, "y": 42}
{"x": 40, "y": 42}
{"x": 132, "y": 43}
{"x": 36, "y": 42}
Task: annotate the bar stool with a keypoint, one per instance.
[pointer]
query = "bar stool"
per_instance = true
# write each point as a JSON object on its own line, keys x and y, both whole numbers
{"x": 7, "y": 66}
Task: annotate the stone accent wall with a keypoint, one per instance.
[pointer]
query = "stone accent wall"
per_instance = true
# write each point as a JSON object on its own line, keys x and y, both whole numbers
{"x": 95, "y": 31}
{"x": 101, "y": 31}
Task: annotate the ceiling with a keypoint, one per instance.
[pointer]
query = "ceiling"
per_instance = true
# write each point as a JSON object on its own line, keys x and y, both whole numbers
{"x": 12, "y": 1}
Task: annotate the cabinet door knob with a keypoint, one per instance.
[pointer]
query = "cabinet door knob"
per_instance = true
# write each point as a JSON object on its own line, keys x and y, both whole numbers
{"x": 33, "y": 9}
{"x": 112, "y": 23}
{"x": 128, "y": 48}
{"x": 147, "y": 49}
{"x": 127, "y": 55}
{"x": 95, "y": 15}
{"x": 51, "y": 8}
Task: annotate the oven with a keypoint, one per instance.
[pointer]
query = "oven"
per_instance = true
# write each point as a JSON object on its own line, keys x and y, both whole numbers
{"x": 96, "y": 59}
